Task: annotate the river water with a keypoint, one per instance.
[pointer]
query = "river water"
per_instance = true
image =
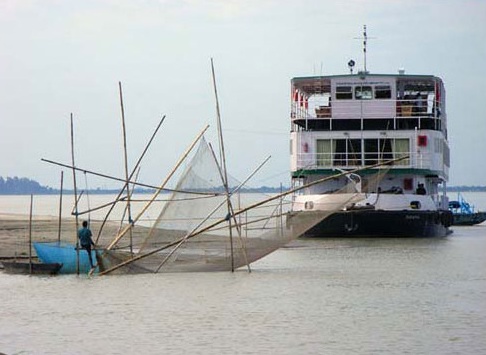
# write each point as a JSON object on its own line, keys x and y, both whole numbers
{"x": 334, "y": 296}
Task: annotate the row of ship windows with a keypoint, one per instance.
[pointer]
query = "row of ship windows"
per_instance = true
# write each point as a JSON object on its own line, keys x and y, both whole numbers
{"x": 359, "y": 152}
{"x": 363, "y": 92}
{"x": 371, "y": 145}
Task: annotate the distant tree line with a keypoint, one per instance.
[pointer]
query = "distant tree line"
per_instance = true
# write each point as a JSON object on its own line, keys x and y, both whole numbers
{"x": 22, "y": 186}
{"x": 25, "y": 186}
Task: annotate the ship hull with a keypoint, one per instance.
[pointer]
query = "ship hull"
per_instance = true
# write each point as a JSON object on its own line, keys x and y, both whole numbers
{"x": 469, "y": 219}
{"x": 383, "y": 224}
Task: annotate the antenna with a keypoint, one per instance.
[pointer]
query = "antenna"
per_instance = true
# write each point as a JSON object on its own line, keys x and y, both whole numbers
{"x": 365, "y": 39}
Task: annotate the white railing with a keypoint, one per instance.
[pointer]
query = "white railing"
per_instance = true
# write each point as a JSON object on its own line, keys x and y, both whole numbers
{"x": 356, "y": 160}
{"x": 353, "y": 109}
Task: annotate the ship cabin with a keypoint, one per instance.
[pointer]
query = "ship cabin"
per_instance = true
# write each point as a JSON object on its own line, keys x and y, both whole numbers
{"x": 345, "y": 122}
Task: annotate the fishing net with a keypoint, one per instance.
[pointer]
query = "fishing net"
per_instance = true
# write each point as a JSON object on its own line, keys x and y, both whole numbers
{"x": 207, "y": 225}
{"x": 201, "y": 227}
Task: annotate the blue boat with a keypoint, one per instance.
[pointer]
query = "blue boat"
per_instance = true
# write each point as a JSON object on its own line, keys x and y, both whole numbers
{"x": 464, "y": 214}
{"x": 65, "y": 254}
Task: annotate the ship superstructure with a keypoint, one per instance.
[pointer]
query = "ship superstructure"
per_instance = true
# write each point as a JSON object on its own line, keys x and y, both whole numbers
{"x": 345, "y": 122}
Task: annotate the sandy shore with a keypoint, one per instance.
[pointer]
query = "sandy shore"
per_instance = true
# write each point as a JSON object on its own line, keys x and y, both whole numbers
{"x": 14, "y": 232}
{"x": 206, "y": 252}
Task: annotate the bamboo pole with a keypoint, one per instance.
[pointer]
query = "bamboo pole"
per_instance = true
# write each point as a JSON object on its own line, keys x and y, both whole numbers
{"x": 123, "y": 180}
{"x": 127, "y": 178}
{"x": 125, "y": 210}
{"x": 99, "y": 174}
{"x": 223, "y": 165}
{"x": 75, "y": 194}
{"x": 104, "y": 205}
{"x": 157, "y": 192}
{"x": 209, "y": 227}
{"x": 30, "y": 235}
{"x": 231, "y": 213}
{"x": 78, "y": 198}
{"x": 60, "y": 209}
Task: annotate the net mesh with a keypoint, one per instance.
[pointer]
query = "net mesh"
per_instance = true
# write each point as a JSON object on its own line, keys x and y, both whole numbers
{"x": 202, "y": 228}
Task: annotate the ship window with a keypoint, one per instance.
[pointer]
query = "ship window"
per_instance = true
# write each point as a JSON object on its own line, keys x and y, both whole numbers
{"x": 363, "y": 93}
{"x": 382, "y": 92}
{"x": 386, "y": 149}
{"x": 324, "y": 151}
{"x": 344, "y": 93}
{"x": 340, "y": 152}
{"x": 377, "y": 150}
{"x": 347, "y": 152}
{"x": 354, "y": 152}
{"x": 401, "y": 148}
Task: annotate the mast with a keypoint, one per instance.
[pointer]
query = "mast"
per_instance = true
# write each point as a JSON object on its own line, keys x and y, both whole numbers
{"x": 365, "y": 39}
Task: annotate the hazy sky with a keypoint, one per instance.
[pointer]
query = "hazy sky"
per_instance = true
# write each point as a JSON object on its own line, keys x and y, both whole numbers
{"x": 58, "y": 57}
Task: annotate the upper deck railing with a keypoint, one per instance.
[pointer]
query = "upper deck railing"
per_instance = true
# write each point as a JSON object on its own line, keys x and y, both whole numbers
{"x": 401, "y": 114}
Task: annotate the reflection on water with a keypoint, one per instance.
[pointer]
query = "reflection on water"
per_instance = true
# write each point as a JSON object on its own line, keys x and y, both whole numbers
{"x": 338, "y": 296}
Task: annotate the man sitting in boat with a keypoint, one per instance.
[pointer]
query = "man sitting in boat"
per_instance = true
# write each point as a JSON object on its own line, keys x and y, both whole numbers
{"x": 84, "y": 235}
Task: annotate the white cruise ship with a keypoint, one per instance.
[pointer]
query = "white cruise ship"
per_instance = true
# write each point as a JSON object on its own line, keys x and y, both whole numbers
{"x": 346, "y": 122}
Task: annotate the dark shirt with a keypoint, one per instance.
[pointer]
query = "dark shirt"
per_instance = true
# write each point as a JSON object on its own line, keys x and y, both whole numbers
{"x": 421, "y": 191}
{"x": 84, "y": 235}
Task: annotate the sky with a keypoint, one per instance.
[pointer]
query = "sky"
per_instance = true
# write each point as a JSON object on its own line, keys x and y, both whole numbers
{"x": 62, "y": 57}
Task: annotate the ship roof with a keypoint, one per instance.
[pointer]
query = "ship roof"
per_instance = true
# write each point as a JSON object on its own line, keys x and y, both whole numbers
{"x": 360, "y": 74}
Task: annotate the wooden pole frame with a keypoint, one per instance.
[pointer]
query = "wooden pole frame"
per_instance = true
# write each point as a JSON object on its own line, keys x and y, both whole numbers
{"x": 210, "y": 215}
{"x": 157, "y": 192}
{"x": 278, "y": 196}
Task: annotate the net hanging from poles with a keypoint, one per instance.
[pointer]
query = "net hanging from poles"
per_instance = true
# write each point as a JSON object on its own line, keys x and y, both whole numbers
{"x": 206, "y": 233}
